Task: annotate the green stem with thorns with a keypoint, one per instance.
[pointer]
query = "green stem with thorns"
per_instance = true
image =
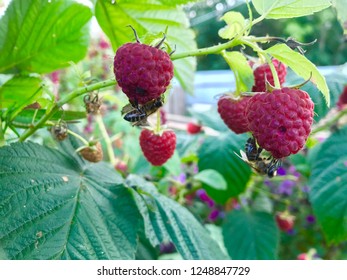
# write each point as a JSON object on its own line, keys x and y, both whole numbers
{"x": 76, "y": 93}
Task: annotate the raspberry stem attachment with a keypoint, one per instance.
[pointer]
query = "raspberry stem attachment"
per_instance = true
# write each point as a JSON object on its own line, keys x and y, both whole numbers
{"x": 158, "y": 124}
{"x": 84, "y": 141}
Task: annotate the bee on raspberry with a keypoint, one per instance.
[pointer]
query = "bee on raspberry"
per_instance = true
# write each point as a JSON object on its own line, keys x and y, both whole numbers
{"x": 144, "y": 73}
{"x": 279, "y": 120}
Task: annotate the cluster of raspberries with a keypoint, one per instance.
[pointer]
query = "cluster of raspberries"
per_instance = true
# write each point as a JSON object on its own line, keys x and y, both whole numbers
{"x": 144, "y": 72}
{"x": 279, "y": 120}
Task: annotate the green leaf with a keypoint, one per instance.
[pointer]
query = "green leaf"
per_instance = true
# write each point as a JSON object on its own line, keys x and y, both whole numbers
{"x": 166, "y": 220}
{"x": 251, "y": 235}
{"x": 173, "y": 165}
{"x": 153, "y": 18}
{"x": 289, "y": 8}
{"x": 209, "y": 118}
{"x": 42, "y": 36}
{"x": 212, "y": 179}
{"x": 218, "y": 153}
{"x": 19, "y": 92}
{"x": 54, "y": 205}
{"x": 328, "y": 193}
{"x": 242, "y": 70}
{"x": 335, "y": 82}
{"x": 341, "y": 10}
{"x": 235, "y": 24}
{"x": 301, "y": 66}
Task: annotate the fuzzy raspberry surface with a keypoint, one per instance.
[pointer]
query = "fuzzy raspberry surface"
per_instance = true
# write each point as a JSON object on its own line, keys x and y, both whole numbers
{"x": 157, "y": 149}
{"x": 233, "y": 113}
{"x": 281, "y": 121}
{"x": 263, "y": 71}
{"x": 143, "y": 72}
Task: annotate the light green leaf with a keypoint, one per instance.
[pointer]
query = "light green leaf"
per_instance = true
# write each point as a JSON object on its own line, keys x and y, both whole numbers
{"x": 251, "y": 235}
{"x": 242, "y": 70}
{"x": 341, "y": 10}
{"x": 153, "y": 18}
{"x": 212, "y": 179}
{"x": 166, "y": 220}
{"x": 218, "y": 153}
{"x": 54, "y": 205}
{"x": 19, "y": 92}
{"x": 289, "y": 8}
{"x": 173, "y": 165}
{"x": 42, "y": 36}
{"x": 328, "y": 193}
{"x": 301, "y": 66}
{"x": 235, "y": 24}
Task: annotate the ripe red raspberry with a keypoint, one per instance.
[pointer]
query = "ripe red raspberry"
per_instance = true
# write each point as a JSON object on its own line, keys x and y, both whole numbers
{"x": 281, "y": 121}
{"x": 342, "y": 102}
{"x": 263, "y": 70}
{"x": 193, "y": 128}
{"x": 285, "y": 221}
{"x": 157, "y": 148}
{"x": 143, "y": 72}
{"x": 233, "y": 112}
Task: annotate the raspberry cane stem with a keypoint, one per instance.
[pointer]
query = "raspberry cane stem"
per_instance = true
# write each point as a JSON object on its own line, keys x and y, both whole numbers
{"x": 54, "y": 109}
{"x": 107, "y": 139}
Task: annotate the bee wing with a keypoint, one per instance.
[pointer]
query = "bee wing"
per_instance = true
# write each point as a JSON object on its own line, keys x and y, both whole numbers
{"x": 243, "y": 156}
{"x": 127, "y": 108}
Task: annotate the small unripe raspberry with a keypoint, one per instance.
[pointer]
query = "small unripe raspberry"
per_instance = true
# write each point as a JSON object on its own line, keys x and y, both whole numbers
{"x": 93, "y": 153}
{"x": 263, "y": 72}
{"x": 193, "y": 128}
{"x": 233, "y": 112}
{"x": 143, "y": 72}
{"x": 281, "y": 121}
{"x": 285, "y": 221}
{"x": 157, "y": 148}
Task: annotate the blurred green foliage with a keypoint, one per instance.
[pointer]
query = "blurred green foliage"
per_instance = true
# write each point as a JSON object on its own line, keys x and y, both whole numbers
{"x": 330, "y": 48}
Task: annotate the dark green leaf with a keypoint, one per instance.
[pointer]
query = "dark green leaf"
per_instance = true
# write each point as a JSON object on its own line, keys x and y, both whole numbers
{"x": 251, "y": 235}
{"x": 218, "y": 153}
{"x": 42, "y": 36}
{"x": 328, "y": 186}
{"x": 166, "y": 220}
{"x": 53, "y": 205}
{"x": 153, "y": 18}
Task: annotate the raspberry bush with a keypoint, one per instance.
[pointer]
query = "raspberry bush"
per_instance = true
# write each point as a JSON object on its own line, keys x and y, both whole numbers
{"x": 89, "y": 157}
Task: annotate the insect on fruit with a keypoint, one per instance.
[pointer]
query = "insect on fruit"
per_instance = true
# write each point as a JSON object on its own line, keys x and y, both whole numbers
{"x": 137, "y": 114}
{"x": 262, "y": 165}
